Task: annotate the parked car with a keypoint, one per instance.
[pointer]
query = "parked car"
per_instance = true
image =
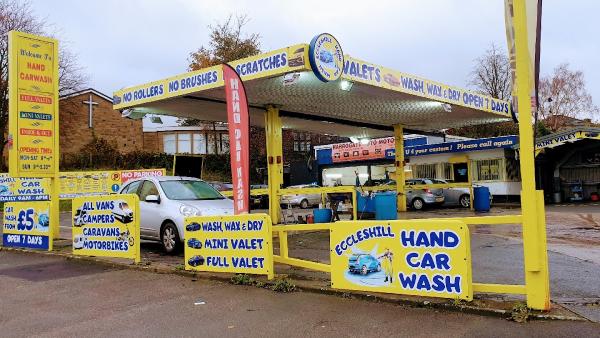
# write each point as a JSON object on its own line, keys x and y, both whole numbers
{"x": 259, "y": 201}
{"x": 455, "y": 196}
{"x": 419, "y": 198}
{"x": 302, "y": 200}
{"x": 458, "y": 196}
{"x": 166, "y": 200}
{"x": 221, "y": 186}
{"x": 363, "y": 264}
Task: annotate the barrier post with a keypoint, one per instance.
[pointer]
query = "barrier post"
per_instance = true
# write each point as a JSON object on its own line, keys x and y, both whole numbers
{"x": 470, "y": 178}
{"x": 274, "y": 160}
{"x": 536, "y": 279}
{"x": 400, "y": 177}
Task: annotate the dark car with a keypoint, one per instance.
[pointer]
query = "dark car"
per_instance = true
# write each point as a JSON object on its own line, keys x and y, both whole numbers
{"x": 260, "y": 201}
{"x": 196, "y": 260}
{"x": 194, "y": 243}
{"x": 192, "y": 227}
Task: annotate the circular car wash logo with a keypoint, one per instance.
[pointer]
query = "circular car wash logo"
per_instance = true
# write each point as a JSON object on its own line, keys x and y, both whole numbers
{"x": 326, "y": 57}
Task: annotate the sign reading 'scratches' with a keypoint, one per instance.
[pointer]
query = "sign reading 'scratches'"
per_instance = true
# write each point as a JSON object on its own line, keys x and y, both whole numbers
{"x": 413, "y": 257}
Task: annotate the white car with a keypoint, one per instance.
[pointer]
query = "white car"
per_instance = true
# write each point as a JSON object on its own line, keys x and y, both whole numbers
{"x": 166, "y": 200}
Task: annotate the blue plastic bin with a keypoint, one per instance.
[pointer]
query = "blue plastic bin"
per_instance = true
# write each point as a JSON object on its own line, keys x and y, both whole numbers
{"x": 385, "y": 206}
{"x": 365, "y": 203}
{"x": 322, "y": 215}
{"x": 481, "y": 199}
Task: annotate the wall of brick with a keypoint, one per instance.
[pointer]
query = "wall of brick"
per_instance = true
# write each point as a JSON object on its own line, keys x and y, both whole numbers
{"x": 107, "y": 123}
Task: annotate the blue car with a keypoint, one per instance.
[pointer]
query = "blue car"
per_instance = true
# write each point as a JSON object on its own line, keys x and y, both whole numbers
{"x": 194, "y": 243}
{"x": 196, "y": 260}
{"x": 363, "y": 264}
{"x": 192, "y": 227}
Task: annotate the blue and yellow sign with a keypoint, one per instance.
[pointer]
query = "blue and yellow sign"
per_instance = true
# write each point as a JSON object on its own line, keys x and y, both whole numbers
{"x": 414, "y": 257}
{"x": 27, "y": 225}
{"x": 23, "y": 189}
{"x": 326, "y": 57}
{"x": 236, "y": 244}
{"x": 107, "y": 226}
{"x": 33, "y": 105}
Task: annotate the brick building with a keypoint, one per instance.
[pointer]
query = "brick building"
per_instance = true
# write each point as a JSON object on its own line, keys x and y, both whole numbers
{"x": 213, "y": 138}
{"x": 89, "y": 113}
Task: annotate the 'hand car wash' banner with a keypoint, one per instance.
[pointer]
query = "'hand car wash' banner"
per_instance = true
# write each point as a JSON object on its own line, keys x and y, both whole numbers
{"x": 413, "y": 257}
{"x": 238, "y": 120}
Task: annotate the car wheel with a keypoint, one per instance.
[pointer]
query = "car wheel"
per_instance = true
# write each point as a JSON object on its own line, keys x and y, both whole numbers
{"x": 378, "y": 267}
{"x": 364, "y": 270}
{"x": 169, "y": 236}
{"x": 465, "y": 201}
{"x": 304, "y": 204}
{"x": 418, "y": 204}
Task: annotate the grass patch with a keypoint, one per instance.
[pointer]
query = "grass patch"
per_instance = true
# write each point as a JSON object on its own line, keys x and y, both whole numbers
{"x": 520, "y": 313}
{"x": 283, "y": 285}
{"x": 242, "y": 279}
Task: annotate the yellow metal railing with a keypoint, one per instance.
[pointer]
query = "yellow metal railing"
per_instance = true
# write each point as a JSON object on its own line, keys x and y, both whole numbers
{"x": 284, "y": 258}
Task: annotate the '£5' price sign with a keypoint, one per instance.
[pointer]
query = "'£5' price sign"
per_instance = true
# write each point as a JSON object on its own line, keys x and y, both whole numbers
{"x": 25, "y": 220}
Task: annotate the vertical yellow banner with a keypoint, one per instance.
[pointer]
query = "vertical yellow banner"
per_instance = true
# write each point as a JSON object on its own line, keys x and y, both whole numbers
{"x": 33, "y": 105}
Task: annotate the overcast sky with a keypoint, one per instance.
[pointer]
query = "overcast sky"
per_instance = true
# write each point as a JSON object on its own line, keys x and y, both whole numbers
{"x": 129, "y": 42}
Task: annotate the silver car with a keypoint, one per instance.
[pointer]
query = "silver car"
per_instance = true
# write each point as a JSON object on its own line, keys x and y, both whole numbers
{"x": 302, "y": 200}
{"x": 419, "y": 198}
{"x": 166, "y": 200}
{"x": 455, "y": 196}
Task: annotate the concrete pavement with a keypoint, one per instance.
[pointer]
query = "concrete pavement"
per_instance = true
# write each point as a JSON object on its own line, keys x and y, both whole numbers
{"x": 49, "y": 296}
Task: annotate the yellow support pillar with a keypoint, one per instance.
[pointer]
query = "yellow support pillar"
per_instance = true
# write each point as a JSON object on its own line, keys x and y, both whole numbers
{"x": 532, "y": 205}
{"x": 273, "y": 127}
{"x": 400, "y": 177}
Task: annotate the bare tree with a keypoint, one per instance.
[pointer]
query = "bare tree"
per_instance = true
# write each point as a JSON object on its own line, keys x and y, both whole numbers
{"x": 564, "y": 96}
{"x": 17, "y": 15}
{"x": 491, "y": 74}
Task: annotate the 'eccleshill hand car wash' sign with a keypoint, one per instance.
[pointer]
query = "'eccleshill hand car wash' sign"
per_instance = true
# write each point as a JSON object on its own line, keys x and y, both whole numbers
{"x": 417, "y": 257}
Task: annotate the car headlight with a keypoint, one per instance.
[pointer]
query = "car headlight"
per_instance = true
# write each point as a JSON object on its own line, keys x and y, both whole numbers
{"x": 187, "y": 210}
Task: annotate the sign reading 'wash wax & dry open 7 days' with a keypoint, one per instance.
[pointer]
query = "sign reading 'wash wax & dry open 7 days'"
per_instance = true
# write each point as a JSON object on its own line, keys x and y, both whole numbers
{"x": 414, "y": 257}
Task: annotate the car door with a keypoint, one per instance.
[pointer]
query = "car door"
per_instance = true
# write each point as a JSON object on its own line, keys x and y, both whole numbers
{"x": 151, "y": 219}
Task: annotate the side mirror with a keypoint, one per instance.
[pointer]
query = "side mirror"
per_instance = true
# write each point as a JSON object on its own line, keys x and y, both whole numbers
{"x": 152, "y": 199}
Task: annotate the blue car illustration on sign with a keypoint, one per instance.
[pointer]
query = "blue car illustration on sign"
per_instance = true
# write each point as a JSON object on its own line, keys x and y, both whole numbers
{"x": 192, "y": 227}
{"x": 196, "y": 260}
{"x": 325, "y": 56}
{"x": 363, "y": 264}
{"x": 194, "y": 243}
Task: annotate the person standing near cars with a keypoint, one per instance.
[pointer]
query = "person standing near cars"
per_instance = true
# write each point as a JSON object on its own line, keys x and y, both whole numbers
{"x": 386, "y": 265}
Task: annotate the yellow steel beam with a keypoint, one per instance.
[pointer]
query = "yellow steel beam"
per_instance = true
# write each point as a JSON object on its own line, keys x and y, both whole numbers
{"x": 302, "y": 263}
{"x": 273, "y": 131}
{"x": 253, "y": 192}
{"x": 499, "y": 288}
{"x": 302, "y": 227}
{"x": 400, "y": 177}
{"x": 534, "y": 243}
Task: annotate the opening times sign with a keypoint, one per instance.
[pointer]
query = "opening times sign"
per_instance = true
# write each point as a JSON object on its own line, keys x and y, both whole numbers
{"x": 413, "y": 257}
{"x": 33, "y": 117}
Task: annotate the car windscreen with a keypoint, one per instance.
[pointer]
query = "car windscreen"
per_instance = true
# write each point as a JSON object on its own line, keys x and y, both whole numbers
{"x": 190, "y": 190}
